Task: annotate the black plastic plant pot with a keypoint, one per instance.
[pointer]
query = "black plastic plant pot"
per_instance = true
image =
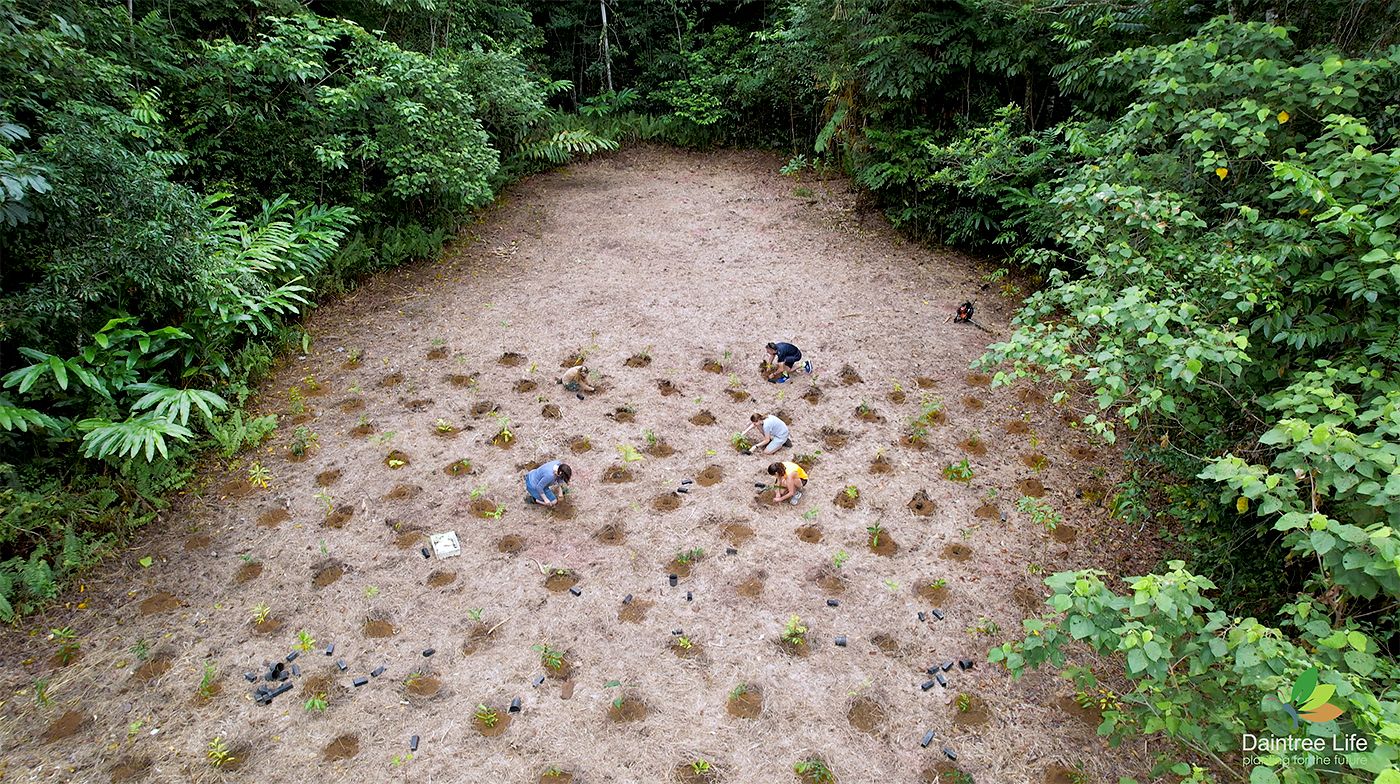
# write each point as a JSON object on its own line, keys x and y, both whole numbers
{"x": 341, "y": 664}
{"x": 942, "y": 681}
{"x": 429, "y": 652}
{"x": 627, "y": 599}
{"x": 296, "y": 670}
{"x": 378, "y": 671}
{"x": 413, "y": 743}
{"x": 538, "y": 680}
{"x": 932, "y": 670}
{"x": 937, "y": 613}
{"x": 731, "y": 551}
{"x": 841, "y": 641}
{"x": 682, "y": 490}
{"x": 760, "y": 485}
{"x": 950, "y": 754}
{"x": 926, "y": 685}
{"x": 689, "y": 596}
{"x": 251, "y": 677}
{"x": 946, "y": 666}
{"x": 965, "y": 664}
{"x": 687, "y": 481}
{"x": 283, "y": 689}
{"x": 833, "y": 602}
{"x": 515, "y": 705}
{"x": 360, "y": 681}
{"x": 923, "y": 616}
{"x": 672, "y": 579}
{"x": 576, "y": 592}
{"x": 426, "y": 552}
{"x": 928, "y": 738}
{"x": 293, "y": 655}
{"x": 678, "y": 632}
{"x": 330, "y": 649}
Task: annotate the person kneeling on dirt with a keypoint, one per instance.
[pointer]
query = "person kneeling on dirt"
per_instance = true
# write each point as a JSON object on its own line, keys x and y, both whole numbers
{"x": 575, "y": 379}
{"x": 775, "y": 433}
{"x": 782, "y": 360}
{"x": 540, "y": 483}
{"x": 791, "y": 480}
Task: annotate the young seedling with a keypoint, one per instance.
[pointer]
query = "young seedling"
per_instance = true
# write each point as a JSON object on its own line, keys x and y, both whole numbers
{"x": 475, "y": 613}
{"x": 316, "y": 703}
{"x": 495, "y": 514}
{"x": 206, "y": 680}
{"x": 486, "y": 715}
{"x": 297, "y": 400}
{"x": 1041, "y": 512}
{"x": 41, "y": 692}
{"x": 326, "y": 501}
{"x": 218, "y": 753}
{"x": 303, "y": 441}
{"x": 310, "y": 382}
{"x": 385, "y": 437}
{"x": 549, "y": 658}
{"x": 740, "y": 442}
{"x": 141, "y": 650}
{"x": 738, "y": 691}
{"x": 960, "y": 471}
{"x": 985, "y": 626}
{"x": 305, "y": 642}
{"x": 964, "y": 703}
{"x": 261, "y": 612}
{"x": 504, "y": 434}
{"x": 259, "y": 476}
{"x": 814, "y": 769}
{"x": 852, "y": 492}
{"x": 794, "y": 633}
{"x": 443, "y": 426}
{"x": 937, "y": 583}
{"x": 67, "y": 643}
{"x": 693, "y": 555}
{"x": 684, "y": 642}
{"x": 650, "y": 436}
{"x": 630, "y": 453}
{"x": 701, "y": 767}
{"x": 371, "y": 591}
{"x": 875, "y": 531}
{"x": 839, "y": 560}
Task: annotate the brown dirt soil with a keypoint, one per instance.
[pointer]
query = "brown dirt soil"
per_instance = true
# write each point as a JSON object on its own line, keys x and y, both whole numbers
{"x": 933, "y": 594}
{"x": 631, "y": 709}
{"x": 343, "y": 747}
{"x": 439, "y": 578}
{"x": 560, "y": 581}
{"x": 703, "y": 418}
{"x": 496, "y": 729}
{"x": 920, "y": 504}
{"x": 811, "y": 534}
{"x": 884, "y": 546}
{"x": 511, "y": 544}
{"x": 866, "y": 715}
{"x": 975, "y": 715}
{"x": 271, "y": 518}
{"x": 711, "y": 476}
{"x": 846, "y": 500}
{"x": 667, "y": 387}
{"x": 736, "y": 533}
{"x": 66, "y": 726}
{"x": 248, "y": 571}
{"x": 161, "y": 602}
{"x": 660, "y": 247}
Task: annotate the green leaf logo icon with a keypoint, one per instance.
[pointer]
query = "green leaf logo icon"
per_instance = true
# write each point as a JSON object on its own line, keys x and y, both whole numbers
{"x": 1309, "y": 700}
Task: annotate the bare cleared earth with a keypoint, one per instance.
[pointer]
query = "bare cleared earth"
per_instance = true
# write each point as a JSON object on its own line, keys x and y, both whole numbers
{"x": 668, "y": 259}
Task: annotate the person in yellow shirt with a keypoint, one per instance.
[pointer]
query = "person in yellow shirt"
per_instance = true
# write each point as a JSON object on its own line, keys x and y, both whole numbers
{"x": 791, "y": 480}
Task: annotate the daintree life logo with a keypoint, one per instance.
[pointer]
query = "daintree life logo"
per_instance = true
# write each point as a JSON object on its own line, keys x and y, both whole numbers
{"x": 1309, "y": 700}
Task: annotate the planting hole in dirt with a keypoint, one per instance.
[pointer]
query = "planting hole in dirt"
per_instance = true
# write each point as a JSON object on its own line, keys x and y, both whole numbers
{"x": 250, "y": 570}
{"x": 161, "y": 602}
{"x": 580, "y": 444}
{"x": 634, "y": 611}
{"x": 326, "y": 573}
{"x": 685, "y": 648}
{"x": 363, "y": 429}
{"x": 511, "y": 544}
{"x": 129, "y": 769}
{"x": 881, "y": 465}
{"x": 1030, "y": 396}
{"x": 849, "y": 376}
{"x": 921, "y": 504}
{"x": 669, "y": 502}
{"x": 829, "y": 579}
{"x": 402, "y": 492}
{"x": 703, "y": 418}
{"x": 1031, "y": 487}
{"x": 1081, "y": 453}
{"x": 969, "y": 710}
{"x": 511, "y": 359}
{"x": 573, "y": 360}
{"x": 458, "y": 467}
{"x": 351, "y": 405}
{"x": 736, "y": 533}
{"x": 811, "y": 534}
{"x": 409, "y": 538}
{"x": 1090, "y": 715}
{"x": 437, "y": 352}
{"x": 813, "y": 396}
{"x": 846, "y": 499}
{"x": 924, "y": 382}
{"x": 712, "y": 475}
{"x": 328, "y": 478}
{"x": 897, "y": 396}
{"x": 1035, "y": 461}
{"x": 550, "y": 411}
{"x": 611, "y": 534}
{"x": 690, "y": 773}
{"x": 422, "y": 686}
{"x": 624, "y": 414}
{"x": 268, "y": 626}
{"x": 712, "y": 366}
{"x": 198, "y": 542}
{"x": 271, "y": 518}
{"x": 616, "y": 474}
{"x": 525, "y": 385}
{"x": 417, "y": 405}
{"x": 988, "y": 511}
{"x": 65, "y": 726}
{"x": 866, "y": 715}
{"x": 667, "y": 387}
{"x": 556, "y": 776}
{"x": 151, "y": 669}
{"x": 479, "y": 637}
{"x": 396, "y": 459}
{"x": 483, "y": 407}
{"x": 1028, "y": 600}
{"x": 978, "y": 380}
{"x": 390, "y": 380}
{"x": 440, "y": 577}
{"x": 638, "y": 361}
{"x": 885, "y": 643}
{"x": 745, "y": 701}
{"x": 560, "y": 580}
{"x": 957, "y": 551}
{"x": 485, "y": 508}
{"x": 343, "y": 747}
{"x": 973, "y": 445}
{"x": 236, "y": 488}
{"x": 339, "y": 516}
{"x": 1064, "y": 533}
{"x": 739, "y": 395}
{"x": 629, "y": 709}
{"x": 660, "y": 449}
{"x": 460, "y": 380}
{"x": 834, "y": 438}
{"x": 1017, "y": 427}
{"x": 752, "y": 588}
{"x": 377, "y": 626}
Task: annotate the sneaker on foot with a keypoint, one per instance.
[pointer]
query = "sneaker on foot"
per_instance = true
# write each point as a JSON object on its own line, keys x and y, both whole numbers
{"x": 796, "y": 498}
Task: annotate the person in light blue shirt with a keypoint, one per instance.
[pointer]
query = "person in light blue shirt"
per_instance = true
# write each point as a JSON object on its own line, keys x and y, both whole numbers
{"x": 540, "y": 483}
{"x": 775, "y": 433}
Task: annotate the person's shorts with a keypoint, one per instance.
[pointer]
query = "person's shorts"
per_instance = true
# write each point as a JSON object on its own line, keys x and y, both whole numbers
{"x": 572, "y": 386}
{"x": 774, "y": 446}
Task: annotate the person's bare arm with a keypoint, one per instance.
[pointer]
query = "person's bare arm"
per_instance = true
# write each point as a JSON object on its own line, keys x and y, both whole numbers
{"x": 786, "y": 489}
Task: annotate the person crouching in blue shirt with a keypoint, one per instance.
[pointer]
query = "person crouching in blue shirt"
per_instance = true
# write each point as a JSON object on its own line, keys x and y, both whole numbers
{"x": 540, "y": 483}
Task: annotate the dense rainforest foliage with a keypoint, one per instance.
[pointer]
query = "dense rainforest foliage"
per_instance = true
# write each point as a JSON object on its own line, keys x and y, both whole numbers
{"x": 1207, "y": 195}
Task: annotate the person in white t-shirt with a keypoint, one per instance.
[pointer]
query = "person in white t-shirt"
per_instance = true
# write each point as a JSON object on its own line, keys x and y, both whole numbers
{"x": 775, "y": 433}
